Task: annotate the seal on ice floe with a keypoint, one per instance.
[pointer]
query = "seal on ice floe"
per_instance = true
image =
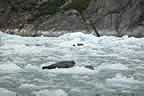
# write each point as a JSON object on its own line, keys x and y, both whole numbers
{"x": 65, "y": 64}
{"x": 61, "y": 64}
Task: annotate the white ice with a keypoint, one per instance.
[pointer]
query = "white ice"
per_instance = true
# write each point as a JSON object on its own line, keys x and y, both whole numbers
{"x": 9, "y": 67}
{"x": 112, "y": 67}
{"x": 117, "y": 61}
{"x": 73, "y": 70}
{"x": 122, "y": 81}
{"x": 58, "y": 92}
{"x": 5, "y": 92}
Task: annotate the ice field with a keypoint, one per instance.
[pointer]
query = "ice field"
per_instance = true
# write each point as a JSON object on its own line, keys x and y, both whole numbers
{"x": 118, "y": 63}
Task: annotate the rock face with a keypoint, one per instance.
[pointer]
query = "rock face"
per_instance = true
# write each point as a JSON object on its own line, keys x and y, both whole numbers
{"x": 22, "y": 14}
{"x": 61, "y": 64}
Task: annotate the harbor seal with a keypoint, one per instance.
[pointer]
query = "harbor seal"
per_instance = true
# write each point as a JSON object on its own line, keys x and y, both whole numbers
{"x": 61, "y": 64}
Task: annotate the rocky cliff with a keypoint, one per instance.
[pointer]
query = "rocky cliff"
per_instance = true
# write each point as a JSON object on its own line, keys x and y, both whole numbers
{"x": 123, "y": 17}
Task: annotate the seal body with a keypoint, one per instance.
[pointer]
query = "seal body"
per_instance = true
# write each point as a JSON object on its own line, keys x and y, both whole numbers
{"x": 61, "y": 64}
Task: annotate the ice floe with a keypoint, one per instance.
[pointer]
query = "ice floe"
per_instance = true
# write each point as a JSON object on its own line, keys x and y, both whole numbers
{"x": 73, "y": 70}
{"x": 9, "y": 67}
{"x": 117, "y": 62}
{"x": 58, "y": 92}
{"x": 5, "y": 92}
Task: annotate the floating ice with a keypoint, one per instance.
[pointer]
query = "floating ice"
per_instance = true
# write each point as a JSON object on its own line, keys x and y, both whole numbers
{"x": 58, "y": 92}
{"x": 112, "y": 67}
{"x": 28, "y": 87}
{"x": 122, "y": 81}
{"x": 73, "y": 70}
{"x": 121, "y": 78}
{"x": 108, "y": 54}
{"x": 9, "y": 67}
{"x": 5, "y": 92}
{"x": 31, "y": 67}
